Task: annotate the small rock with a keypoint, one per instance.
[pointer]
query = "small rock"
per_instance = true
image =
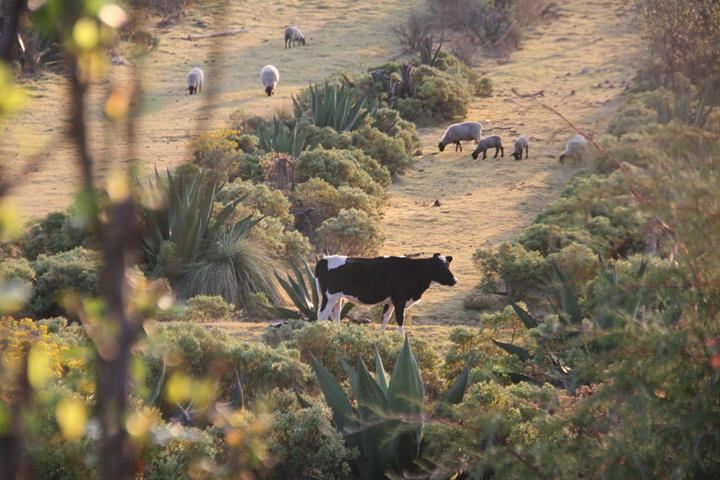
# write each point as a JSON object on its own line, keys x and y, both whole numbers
{"x": 418, "y": 153}
{"x": 572, "y": 92}
{"x": 436, "y": 203}
{"x": 200, "y": 24}
{"x": 585, "y": 71}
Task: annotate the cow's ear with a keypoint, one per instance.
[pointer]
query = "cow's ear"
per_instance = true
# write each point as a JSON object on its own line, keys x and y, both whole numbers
{"x": 449, "y": 259}
{"x": 436, "y": 255}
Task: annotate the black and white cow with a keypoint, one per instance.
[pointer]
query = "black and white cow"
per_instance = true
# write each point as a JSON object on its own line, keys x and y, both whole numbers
{"x": 396, "y": 282}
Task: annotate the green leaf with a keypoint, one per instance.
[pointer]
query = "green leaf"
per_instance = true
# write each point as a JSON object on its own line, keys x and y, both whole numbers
{"x": 303, "y": 403}
{"x": 568, "y": 298}
{"x": 524, "y": 316}
{"x": 457, "y": 391}
{"x": 521, "y": 353}
{"x": 335, "y": 398}
{"x": 380, "y": 372}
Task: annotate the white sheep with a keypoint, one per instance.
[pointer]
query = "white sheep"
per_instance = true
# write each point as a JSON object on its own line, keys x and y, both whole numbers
{"x": 574, "y": 149}
{"x": 293, "y": 35}
{"x": 460, "y": 131}
{"x": 493, "y": 141}
{"x": 522, "y": 143}
{"x": 194, "y": 80}
{"x": 270, "y": 78}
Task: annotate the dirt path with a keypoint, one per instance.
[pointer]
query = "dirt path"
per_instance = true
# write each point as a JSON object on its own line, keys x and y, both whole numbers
{"x": 484, "y": 202}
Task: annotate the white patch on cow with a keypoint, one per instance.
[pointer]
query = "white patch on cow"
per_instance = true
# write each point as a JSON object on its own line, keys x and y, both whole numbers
{"x": 433, "y": 283}
{"x": 337, "y": 311}
{"x": 386, "y": 317}
{"x": 336, "y": 261}
{"x": 332, "y": 299}
{"x": 442, "y": 257}
{"x": 411, "y": 302}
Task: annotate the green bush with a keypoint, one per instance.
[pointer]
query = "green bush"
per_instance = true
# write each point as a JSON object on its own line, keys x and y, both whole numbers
{"x": 484, "y": 87}
{"x": 210, "y": 353}
{"x": 414, "y": 110}
{"x": 259, "y": 198}
{"x": 352, "y": 232}
{"x": 390, "y": 122}
{"x": 72, "y": 271}
{"x": 521, "y": 271}
{"x": 215, "y": 152}
{"x": 17, "y": 268}
{"x": 344, "y": 167}
{"x": 327, "y": 137}
{"x": 306, "y": 446}
{"x": 330, "y": 343}
{"x": 183, "y": 451}
{"x": 445, "y": 95}
{"x": 249, "y": 167}
{"x": 56, "y": 232}
{"x": 199, "y": 252}
{"x": 577, "y": 263}
{"x": 245, "y": 143}
{"x": 204, "y": 308}
{"x": 319, "y": 201}
{"x": 389, "y": 151}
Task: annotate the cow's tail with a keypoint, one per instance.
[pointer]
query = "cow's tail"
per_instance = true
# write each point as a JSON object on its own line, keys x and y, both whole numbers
{"x": 321, "y": 271}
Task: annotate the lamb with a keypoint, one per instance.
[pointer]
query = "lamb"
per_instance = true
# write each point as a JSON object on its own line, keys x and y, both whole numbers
{"x": 194, "y": 80}
{"x": 493, "y": 141}
{"x": 293, "y": 35}
{"x": 270, "y": 78}
{"x": 460, "y": 131}
{"x": 521, "y": 144}
{"x": 574, "y": 149}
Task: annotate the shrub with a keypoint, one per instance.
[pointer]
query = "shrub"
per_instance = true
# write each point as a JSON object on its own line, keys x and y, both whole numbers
{"x": 204, "y": 308}
{"x": 211, "y": 353}
{"x": 577, "y": 263}
{"x": 521, "y": 271}
{"x": 414, "y": 110}
{"x": 327, "y": 137}
{"x": 249, "y": 167}
{"x": 351, "y": 232}
{"x": 72, "y": 271}
{"x": 245, "y": 143}
{"x": 444, "y": 95}
{"x": 340, "y": 107}
{"x": 389, "y": 151}
{"x": 18, "y": 269}
{"x": 318, "y": 200}
{"x": 195, "y": 250}
{"x": 215, "y": 152}
{"x": 484, "y": 87}
{"x": 183, "y": 452}
{"x": 259, "y": 198}
{"x": 390, "y": 122}
{"x": 56, "y": 232}
{"x": 307, "y": 446}
{"x": 344, "y": 167}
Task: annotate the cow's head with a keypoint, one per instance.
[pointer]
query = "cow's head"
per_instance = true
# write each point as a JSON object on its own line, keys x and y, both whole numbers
{"x": 441, "y": 146}
{"x": 269, "y": 90}
{"x": 440, "y": 270}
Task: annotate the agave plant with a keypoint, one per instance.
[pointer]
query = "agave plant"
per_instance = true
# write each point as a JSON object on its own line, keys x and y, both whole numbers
{"x": 341, "y": 108}
{"x": 386, "y": 423}
{"x": 300, "y": 287}
{"x": 280, "y": 138}
{"x": 196, "y": 250}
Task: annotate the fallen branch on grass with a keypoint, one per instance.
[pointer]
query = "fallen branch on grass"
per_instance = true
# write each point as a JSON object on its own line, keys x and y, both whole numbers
{"x": 539, "y": 93}
{"x": 216, "y": 34}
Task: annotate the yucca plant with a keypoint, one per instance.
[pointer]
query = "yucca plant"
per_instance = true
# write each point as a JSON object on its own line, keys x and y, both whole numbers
{"x": 197, "y": 251}
{"x": 280, "y": 138}
{"x": 386, "y": 423}
{"x": 300, "y": 287}
{"x": 342, "y": 108}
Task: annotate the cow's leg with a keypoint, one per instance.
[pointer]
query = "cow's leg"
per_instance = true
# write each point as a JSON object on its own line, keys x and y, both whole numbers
{"x": 399, "y": 312}
{"x": 388, "y": 310}
{"x": 328, "y": 304}
{"x": 337, "y": 310}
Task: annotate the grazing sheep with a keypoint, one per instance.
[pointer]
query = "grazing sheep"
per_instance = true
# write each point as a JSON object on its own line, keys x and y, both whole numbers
{"x": 458, "y": 132}
{"x": 493, "y": 141}
{"x": 574, "y": 149}
{"x": 194, "y": 80}
{"x": 293, "y": 35}
{"x": 270, "y": 78}
{"x": 522, "y": 143}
